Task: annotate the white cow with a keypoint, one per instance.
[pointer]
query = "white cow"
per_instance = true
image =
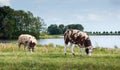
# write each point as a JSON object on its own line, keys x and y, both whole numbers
{"x": 28, "y": 41}
{"x": 77, "y": 37}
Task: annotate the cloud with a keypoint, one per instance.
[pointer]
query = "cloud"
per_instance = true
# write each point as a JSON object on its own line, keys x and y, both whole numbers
{"x": 89, "y": 17}
{"x": 99, "y": 16}
{"x": 4, "y": 2}
{"x": 80, "y": 17}
{"x": 118, "y": 17}
{"x": 93, "y": 17}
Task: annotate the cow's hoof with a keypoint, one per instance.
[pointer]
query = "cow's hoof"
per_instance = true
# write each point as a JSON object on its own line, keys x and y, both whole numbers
{"x": 89, "y": 55}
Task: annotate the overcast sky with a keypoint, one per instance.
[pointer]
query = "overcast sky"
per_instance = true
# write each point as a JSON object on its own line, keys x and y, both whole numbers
{"x": 94, "y": 15}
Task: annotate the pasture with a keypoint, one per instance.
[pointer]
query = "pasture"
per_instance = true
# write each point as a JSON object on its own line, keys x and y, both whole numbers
{"x": 47, "y": 57}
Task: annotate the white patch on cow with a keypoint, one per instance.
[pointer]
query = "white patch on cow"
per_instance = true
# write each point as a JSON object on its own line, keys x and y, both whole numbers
{"x": 69, "y": 35}
{"x": 86, "y": 36}
{"x": 75, "y": 36}
{"x": 75, "y": 31}
{"x": 79, "y": 33}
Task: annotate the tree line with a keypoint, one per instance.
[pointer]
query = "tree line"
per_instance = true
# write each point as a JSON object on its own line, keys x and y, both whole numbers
{"x": 104, "y": 33}
{"x": 54, "y": 29}
{"x": 16, "y": 22}
{"x": 60, "y": 29}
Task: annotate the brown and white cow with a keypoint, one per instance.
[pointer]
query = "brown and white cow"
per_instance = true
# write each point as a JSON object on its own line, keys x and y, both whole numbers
{"x": 28, "y": 41}
{"x": 77, "y": 37}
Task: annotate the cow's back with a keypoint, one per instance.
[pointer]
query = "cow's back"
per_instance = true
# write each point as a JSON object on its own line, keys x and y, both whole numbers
{"x": 24, "y": 38}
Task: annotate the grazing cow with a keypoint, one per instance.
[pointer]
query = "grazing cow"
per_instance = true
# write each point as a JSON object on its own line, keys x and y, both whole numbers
{"x": 28, "y": 41}
{"x": 77, "y": 37}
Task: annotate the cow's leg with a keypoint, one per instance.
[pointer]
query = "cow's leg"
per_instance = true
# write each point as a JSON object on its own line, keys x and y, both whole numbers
{"x": 25, "y": 47}
{"x": 72, "y": 47}
{"x": 31, "y": 50}
{"x": 82, "y": 51}
{"x": 19, "y": 45}
{"x": 65, "y": 47}
{"x": 66, "y": 43}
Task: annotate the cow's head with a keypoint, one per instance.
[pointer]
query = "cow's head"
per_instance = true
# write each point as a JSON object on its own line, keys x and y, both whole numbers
{"x": 88, "y": 47}
{"x": 88, "y": 51}
{"x": 31, "y": 46}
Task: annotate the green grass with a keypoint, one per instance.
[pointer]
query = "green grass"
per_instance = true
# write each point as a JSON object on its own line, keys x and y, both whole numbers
{"x": 47, "y": 57}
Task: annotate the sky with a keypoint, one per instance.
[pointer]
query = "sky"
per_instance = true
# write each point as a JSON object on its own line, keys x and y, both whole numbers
{"x": 94, "y": 15}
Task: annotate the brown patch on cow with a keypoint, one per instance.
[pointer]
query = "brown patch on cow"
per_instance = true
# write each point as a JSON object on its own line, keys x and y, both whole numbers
{"x": 68, "y": 35}
{"x": 73, "y": 36}
{"x": 66, "y": 40}
{"x": 87, "y": 42}
{"x": 32, "y": 44}
{"x": 80, "y": 40}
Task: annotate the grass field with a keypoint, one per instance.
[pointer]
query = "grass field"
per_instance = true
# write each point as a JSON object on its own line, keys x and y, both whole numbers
{"x": 47, "y": 57}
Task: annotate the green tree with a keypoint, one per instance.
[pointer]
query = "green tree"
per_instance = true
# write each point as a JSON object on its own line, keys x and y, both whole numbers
{"x": 16, "y": 22}
{"x": 94, "y": 33}
{"x": 104, "y": 33}
{"x": 53, "y": 29}
{"x": 75, "y": 26}
{"x": 89, "y": 33}
{"x": 111, "y": 32}
{"x": 118, "y": 32}
{"x": 6, "y": 22}
{"x": 99, "y": 33}
{"x": 61, "y": 27}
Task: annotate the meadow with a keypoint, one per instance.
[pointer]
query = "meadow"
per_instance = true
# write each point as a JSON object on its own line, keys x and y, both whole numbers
{"x": 48, "y": 57}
